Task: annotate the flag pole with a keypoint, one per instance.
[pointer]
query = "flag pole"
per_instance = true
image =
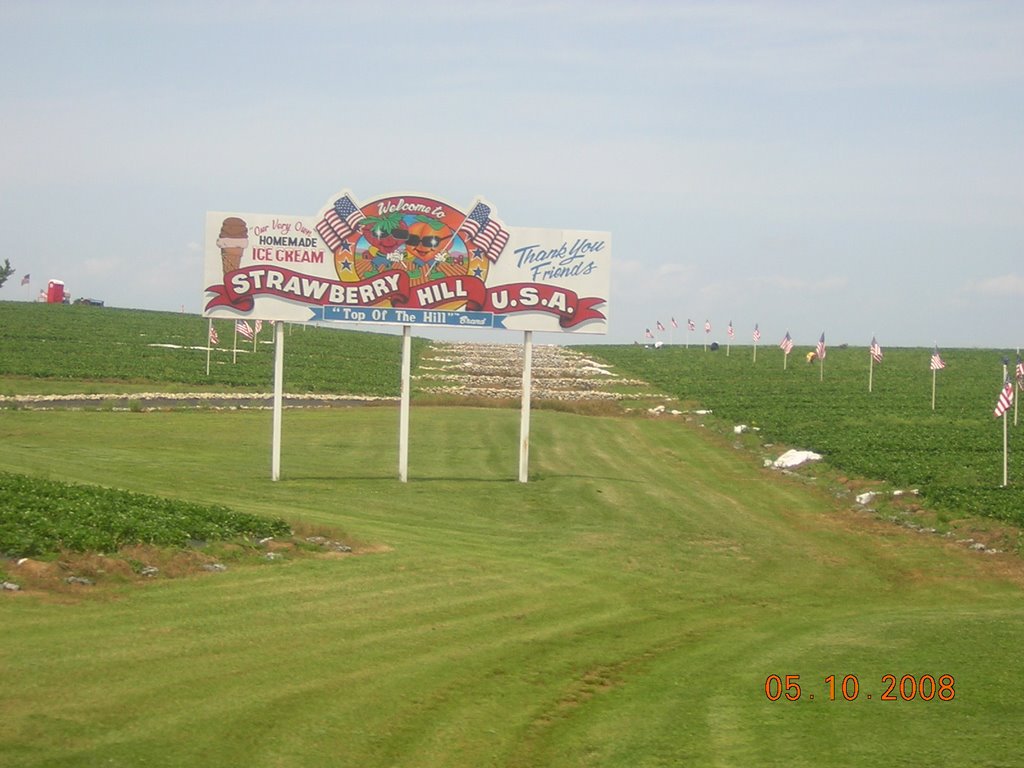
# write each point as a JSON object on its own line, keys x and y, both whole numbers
{"x": 871, "y": 370}
{"x": 755, "y": 351}
{"x": 933, "y": 389}
{"x": 1005, "y": 461}
{"x": 209, "y": 343}
{"x": 1017, "y": 385}
{"x": 234, "y": 345}
{"x": 1005, "y": 478}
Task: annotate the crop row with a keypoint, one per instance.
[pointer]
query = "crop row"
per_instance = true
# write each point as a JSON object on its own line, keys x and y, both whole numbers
{"x": 56, "y": 341}
{"x": 43, "y": 516}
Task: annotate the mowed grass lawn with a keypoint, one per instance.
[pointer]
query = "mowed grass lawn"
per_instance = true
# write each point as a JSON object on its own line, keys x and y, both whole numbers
{"x": 623, "y": 608}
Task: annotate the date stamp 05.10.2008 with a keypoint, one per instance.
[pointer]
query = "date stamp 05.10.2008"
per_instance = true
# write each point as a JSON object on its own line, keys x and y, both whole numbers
{"x": 848, "y": 688}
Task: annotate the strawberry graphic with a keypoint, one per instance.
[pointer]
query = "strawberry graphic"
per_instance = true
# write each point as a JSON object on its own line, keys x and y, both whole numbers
{"x": 385, "y": 235}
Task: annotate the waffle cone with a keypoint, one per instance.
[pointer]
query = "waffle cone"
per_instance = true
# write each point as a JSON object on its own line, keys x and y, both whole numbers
{"x": 231, "y": 258}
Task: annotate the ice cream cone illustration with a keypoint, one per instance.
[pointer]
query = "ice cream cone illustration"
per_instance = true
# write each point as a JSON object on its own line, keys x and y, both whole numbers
{"x": 233, "y": 240}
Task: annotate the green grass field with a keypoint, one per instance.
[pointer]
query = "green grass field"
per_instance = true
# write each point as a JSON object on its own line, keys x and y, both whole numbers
{"x": 626, "y": 607}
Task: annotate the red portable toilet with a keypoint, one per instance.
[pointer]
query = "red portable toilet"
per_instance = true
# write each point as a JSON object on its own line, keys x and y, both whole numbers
{"x": 55, "y": 292}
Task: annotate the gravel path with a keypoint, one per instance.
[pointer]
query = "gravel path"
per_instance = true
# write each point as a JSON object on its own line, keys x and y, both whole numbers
{"x": 496, "y": 371}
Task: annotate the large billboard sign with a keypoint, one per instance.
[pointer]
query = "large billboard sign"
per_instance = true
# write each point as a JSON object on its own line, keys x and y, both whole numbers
{"x": 406, "y": 259}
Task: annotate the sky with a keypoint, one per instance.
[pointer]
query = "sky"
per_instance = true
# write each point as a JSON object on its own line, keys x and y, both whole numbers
{"x": 846, "y": 168}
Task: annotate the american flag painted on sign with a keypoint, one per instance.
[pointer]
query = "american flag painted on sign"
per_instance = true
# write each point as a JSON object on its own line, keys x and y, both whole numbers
{"x": 485, "y": 233}
{"x": 340, "y": 222}
{"x": 477, "y": 218}
{"x": 1005, "y": 398}
{"x": 492, "y": 240}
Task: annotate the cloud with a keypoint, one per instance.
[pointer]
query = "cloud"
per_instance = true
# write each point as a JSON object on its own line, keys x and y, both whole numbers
{"x": 103, "y": 266}
{"x": 1004, "y": 286}
{"x": 820, "y": 285}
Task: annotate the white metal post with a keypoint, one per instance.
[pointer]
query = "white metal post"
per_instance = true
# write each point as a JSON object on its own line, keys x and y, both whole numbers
{"x": 275, "y": 461}
{"x": 403, "y": 417}
{"x": 524, "y": 420}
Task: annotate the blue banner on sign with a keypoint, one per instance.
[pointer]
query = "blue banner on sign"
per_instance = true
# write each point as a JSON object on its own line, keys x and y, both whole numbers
{"x": 395, "y": 316}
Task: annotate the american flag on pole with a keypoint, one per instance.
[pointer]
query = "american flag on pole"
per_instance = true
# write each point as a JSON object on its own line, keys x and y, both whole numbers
{"x": 674, "y": 323}
{"x": 690, "y": 325}
{"x": 937, "y": 364}
{"x": 786, "y": 344}
{"x": 25, "y": 279}
{"x": 259, "y": 326}
{"x": 757, "y": 333}
{"x": 707, "y": 326}
{"x": 1005, "y": 398}
{"x": 876, "y": 350}
{"x": 648, "y": 334}
{"x": 820, "y": 351}
{"x": 242, "y": 326}
{"x": 660, "y": 326}
{"x": 1020, "y": 372}
{"x": 214, "y": 339}
{"x": 339, "y": 222}
{"x": 731, "y": 332}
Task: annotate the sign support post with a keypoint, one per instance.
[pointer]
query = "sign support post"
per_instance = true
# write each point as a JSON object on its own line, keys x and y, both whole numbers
{"x": 524, "y": 417}
{"x": 275, "y": 460}
{"x": 403, "y": 418}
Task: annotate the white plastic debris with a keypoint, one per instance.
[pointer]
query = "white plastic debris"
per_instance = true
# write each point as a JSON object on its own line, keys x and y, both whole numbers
{"x": 739, "y": 429}
{"x": 794, "y": 458}
{"x": 865, "y": 498}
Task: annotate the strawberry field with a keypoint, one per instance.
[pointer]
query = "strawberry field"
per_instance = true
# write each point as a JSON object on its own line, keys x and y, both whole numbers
{"x": 61, "y": 342}
{"x": 39, "y": 517}
{"x": 953, "y": 454}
